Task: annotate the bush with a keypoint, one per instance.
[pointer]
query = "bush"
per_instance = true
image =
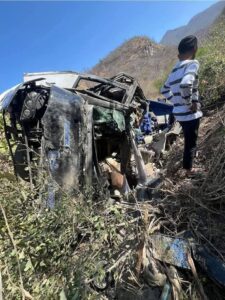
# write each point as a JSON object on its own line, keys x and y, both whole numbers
{"x": 212, "y": 61}
{"x": 48, "y": 253}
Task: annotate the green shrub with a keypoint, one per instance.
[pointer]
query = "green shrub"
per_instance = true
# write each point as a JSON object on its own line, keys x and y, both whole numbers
{"x": 3, "y": 143}
{"x": 55, "y": 252}
{"x": 212, "y": 61}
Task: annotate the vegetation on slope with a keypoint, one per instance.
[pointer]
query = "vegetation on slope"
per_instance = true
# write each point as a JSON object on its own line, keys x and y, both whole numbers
{"x": 54, "y": 254}
{"x": 212, "y": 59}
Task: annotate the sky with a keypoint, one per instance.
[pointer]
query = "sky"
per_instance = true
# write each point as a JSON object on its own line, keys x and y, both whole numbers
{"x": 60, "y": 36}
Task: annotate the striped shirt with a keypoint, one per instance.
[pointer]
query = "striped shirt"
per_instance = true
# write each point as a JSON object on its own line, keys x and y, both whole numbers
{"x": 181, "y": 88}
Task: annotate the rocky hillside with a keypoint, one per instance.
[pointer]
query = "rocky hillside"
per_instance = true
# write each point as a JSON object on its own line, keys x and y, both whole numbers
{"x": 198, "y": 25}
{"x": 140, "y": 57}
{"x": 148, "y": 61}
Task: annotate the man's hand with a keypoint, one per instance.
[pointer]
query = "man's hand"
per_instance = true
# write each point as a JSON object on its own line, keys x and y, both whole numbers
{"x": 194, "y": 107}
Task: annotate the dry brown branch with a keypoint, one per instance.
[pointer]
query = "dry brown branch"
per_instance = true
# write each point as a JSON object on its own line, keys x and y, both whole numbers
{"x": 175, "y": 281}
{"x": 122, "y": 258}
{"x": 198, "y": 282}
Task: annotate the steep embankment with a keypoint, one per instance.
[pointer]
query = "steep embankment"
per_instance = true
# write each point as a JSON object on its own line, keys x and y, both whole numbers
{"x": 140, "y": 57}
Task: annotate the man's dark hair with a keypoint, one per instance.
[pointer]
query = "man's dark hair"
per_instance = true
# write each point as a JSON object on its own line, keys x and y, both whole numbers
{"x": 187, "y": 44}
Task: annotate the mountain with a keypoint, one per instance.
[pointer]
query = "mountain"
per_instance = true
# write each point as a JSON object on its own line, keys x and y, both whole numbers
{"x": 141, "y": 58}
{"x": 148, "y": 61}
{"x": 198, "y": 25}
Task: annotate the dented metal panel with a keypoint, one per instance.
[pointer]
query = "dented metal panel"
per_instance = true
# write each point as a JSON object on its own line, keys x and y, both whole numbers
{"x": 60, "y": 79}
{"x": 173, "y": 251}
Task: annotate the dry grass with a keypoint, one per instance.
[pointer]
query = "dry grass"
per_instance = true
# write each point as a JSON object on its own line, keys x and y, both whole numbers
{"x": 197, "y": 206}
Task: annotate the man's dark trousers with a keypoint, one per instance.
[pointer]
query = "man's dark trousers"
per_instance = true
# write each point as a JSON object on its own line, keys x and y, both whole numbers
{"x": 190, "y": 130}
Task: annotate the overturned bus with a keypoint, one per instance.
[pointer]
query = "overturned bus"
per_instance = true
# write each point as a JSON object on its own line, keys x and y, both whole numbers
{"x": 78, "y": 128}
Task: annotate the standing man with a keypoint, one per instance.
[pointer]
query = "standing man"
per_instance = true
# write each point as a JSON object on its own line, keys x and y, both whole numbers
{"x": 181, "y": 88}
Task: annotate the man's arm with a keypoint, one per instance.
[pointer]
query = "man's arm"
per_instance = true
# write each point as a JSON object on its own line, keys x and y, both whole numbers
{"x": 166, "y": 91}
{"x": 189, "y": 85}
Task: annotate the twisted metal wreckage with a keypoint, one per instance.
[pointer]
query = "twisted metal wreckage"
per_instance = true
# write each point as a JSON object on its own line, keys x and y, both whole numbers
{"x": 83, "y": 129}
